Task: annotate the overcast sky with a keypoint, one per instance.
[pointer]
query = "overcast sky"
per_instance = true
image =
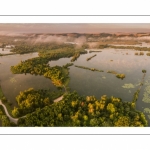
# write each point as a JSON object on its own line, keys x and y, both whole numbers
{"x": 73, "y": 28}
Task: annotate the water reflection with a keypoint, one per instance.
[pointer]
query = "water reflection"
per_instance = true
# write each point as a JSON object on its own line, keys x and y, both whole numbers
{"x": 85, "y": 82}
{"x": 12, "y": 84}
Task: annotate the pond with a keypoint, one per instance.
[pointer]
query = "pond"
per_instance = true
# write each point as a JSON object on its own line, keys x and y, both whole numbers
{"x": 12, "y": 84}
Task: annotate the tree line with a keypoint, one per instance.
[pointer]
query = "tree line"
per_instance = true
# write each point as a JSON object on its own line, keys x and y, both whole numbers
{"x": 75, "y": 110}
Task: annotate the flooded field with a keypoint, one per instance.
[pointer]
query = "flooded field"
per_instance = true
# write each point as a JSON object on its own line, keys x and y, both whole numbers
{"x": 87, "y": 82}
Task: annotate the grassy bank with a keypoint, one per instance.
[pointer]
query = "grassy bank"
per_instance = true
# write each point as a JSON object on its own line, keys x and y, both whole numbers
{"x": 1, "y": 93}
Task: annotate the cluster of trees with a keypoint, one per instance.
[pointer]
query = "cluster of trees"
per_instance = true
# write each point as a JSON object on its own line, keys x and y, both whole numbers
{"x": 29, "y": 100}
{"x": 67, "y": 65}
{"x": 140, "y": 53}
{"x": 103, "y": 46}
{"x": 61, "y": 52}
{"x": 121, "y": 76}
{"x": 39, "y": 66}
{"x": 28, "y": 47}
{"x": 24, "y": 48}
{"x": 4, "y": 120}
{"x": 126, "y": 47}
{"x": 34, "y": 66}
{"x": 75, "y": 110}
{"x": 131, "y": 47}
{"x": 148, "y": 54}
{"x": 75, "y": 56}
{"x": 57, "y": 74}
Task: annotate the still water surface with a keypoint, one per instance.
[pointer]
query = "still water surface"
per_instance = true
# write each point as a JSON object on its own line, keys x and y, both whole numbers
{"x": 12, "y": 84}
{"x": 85, "y": 82}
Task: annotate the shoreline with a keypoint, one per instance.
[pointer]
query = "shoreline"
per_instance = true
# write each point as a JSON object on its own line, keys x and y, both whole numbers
{"x": 15, "y": 120}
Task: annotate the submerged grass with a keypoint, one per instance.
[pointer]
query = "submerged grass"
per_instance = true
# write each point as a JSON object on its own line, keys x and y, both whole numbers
{"x": 94, "y": 51}
{"x": 128, "y": 86}
{"x": 112, "y": 72}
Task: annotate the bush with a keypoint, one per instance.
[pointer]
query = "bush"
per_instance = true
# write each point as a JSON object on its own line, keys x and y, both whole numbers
{"x": 141, "y": 53}
{"x": 122, "y": 76}
{"x": 4, "y": 100}
{"x": 148, "y": 54}
{"x": 144, "y": 71}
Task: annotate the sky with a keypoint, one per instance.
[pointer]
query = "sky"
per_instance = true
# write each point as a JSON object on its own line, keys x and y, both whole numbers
{"x": 74, "y": 28}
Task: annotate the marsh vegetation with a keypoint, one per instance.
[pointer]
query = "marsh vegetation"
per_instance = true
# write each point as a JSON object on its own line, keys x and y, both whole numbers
{"x": 92, "y": 69}
{"x": 90, "y": 57}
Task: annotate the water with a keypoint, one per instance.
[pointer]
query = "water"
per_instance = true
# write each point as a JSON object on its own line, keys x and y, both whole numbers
{"x": 12, "y": 84}
{"x": 85, "y": 82}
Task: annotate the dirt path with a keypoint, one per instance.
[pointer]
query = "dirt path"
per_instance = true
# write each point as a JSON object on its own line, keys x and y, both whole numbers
{"x": 58, "y": 99}
{"x": 15, "y": 120}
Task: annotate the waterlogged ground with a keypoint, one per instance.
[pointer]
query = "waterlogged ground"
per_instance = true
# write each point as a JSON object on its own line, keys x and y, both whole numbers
{"x": 87, "y": 82}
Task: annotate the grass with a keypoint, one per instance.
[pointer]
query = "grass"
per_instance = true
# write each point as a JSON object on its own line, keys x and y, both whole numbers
{"x": 2, "y": 109}
{"x": 1, "y": 93}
